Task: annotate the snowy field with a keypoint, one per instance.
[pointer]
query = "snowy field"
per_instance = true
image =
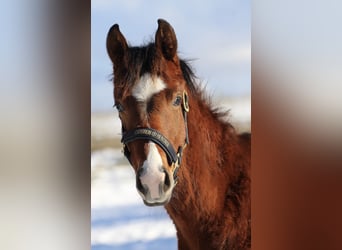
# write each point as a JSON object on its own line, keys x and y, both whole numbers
{"x": 120, "y": 220}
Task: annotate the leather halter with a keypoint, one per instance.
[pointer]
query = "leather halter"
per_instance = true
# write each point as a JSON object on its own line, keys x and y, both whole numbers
{"x": 174, "y": 159}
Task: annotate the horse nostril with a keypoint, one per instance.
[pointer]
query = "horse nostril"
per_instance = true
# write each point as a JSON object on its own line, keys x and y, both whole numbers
{"x": 167, "y": 181}
{"x": 139, "y": 185}
{"x": 140, "y": 172}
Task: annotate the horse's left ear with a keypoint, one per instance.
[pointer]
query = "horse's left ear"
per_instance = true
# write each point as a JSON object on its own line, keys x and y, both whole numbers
{"x": 166, "y": 40}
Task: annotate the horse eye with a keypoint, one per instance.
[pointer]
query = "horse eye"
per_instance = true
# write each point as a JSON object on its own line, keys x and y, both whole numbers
{"x": 177, "y": 101}
{"x": 119, "y": 107}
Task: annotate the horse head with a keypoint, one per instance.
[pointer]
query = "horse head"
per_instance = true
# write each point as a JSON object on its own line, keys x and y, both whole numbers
{"x": 150, "y": 94}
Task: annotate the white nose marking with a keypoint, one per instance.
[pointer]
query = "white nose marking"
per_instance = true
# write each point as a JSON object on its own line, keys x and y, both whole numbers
{"x": 153, "y": 175}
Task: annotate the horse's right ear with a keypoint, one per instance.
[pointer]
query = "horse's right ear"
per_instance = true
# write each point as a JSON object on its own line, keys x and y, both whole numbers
{"x": 116, "y": 45}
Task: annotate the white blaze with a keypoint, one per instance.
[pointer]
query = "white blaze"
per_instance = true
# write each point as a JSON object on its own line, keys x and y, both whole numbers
{"x": 153, "y": 176}
{"x": 147, "y": 87}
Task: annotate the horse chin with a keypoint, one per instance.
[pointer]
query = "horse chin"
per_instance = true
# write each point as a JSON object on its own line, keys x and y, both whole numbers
{"x": 156, "y": 203}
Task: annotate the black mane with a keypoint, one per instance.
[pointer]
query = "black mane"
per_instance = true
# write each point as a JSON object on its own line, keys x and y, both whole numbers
{"x": 189, "y": 76}
{"x": 200, "y": 92}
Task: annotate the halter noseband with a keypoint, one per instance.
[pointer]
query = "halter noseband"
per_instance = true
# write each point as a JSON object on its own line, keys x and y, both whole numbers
{"x": 174, "y": 159}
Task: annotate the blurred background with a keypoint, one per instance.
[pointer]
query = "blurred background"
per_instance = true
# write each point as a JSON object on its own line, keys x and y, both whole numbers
{"x": 46, "y": 151}
{"x": 215, "y": 35}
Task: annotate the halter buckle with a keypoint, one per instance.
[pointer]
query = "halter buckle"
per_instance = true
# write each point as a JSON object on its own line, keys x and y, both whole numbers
{"x": 185, "y": 101}
{"x": 175, "y": 169}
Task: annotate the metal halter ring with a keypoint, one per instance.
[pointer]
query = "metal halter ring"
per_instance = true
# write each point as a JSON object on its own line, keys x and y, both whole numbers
{"x": 185, "y": 101}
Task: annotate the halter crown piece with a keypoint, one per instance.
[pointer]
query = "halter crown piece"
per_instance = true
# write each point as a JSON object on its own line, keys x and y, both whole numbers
{"x": 174, "y": 159}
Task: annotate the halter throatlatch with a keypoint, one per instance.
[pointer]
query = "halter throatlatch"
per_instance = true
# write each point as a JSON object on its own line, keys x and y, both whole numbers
{"x": 174, "y": 159}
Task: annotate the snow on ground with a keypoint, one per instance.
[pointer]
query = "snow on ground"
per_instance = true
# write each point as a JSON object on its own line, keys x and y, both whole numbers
{"x": 119, "y": 218}
{"x": 104, "y": 125}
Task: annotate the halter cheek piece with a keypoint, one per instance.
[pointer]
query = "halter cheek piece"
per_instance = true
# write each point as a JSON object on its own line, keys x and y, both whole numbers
{"x": 174, "y": 159}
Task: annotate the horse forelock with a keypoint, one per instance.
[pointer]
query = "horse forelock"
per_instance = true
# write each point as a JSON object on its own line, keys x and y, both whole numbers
{"x": 137, "y": 62}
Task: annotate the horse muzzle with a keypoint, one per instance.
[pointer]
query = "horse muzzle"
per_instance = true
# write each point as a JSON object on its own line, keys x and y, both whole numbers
{"x": 154, "y": 181}
{"x": 155, "y": 185}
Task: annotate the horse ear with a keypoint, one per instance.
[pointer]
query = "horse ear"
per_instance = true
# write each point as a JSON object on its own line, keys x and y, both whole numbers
{"x": 166, "y": 40}
{"x": 116, "y": 45}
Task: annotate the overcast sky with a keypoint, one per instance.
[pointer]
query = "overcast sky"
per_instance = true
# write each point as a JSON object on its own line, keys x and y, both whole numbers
{"x": 214, "y": 33}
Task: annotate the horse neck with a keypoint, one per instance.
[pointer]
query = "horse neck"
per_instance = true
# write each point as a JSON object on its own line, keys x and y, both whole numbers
{"x": 210, "y": 203}
{"x": 202, "y": 177}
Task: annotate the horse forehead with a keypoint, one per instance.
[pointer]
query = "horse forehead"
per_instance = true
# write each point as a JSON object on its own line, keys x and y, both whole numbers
{"x": 147, "y": 86}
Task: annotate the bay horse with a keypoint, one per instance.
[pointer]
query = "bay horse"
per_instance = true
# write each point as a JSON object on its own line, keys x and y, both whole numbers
{"x": 186, "y": 156}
